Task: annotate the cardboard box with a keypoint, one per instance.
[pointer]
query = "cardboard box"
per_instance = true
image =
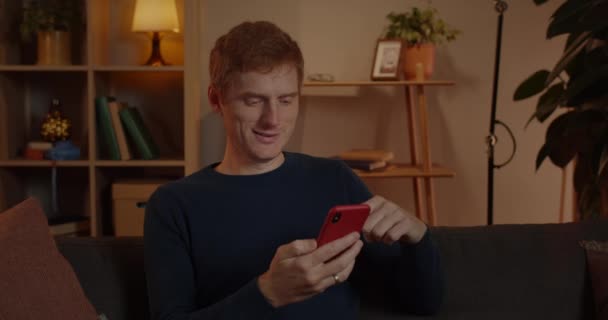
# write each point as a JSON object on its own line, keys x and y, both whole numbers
{"x": 128, "y": 205}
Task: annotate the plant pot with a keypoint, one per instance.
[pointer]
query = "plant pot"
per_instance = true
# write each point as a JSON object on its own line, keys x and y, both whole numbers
{"x": 54, "y": 48}
{"x": 417, "y": 59}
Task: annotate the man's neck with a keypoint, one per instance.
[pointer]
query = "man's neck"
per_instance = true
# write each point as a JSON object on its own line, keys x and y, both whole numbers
{"x": 235, "y": 165}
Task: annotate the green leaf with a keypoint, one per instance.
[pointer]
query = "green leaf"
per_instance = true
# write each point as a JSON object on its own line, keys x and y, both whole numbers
{"x": 532, "y": 86}
{"x": 585, "y": 81}
{"x": 568, "y": 56}
{"x": 542, "y": 155}
{"x": 576, "y": 65}
{"x": 549, "y": 101}
{"x": 560, "y": 150}
{"x": 594, "y": 18}
{"x": 567, "y": 18}
{"x": 573, "y": 132}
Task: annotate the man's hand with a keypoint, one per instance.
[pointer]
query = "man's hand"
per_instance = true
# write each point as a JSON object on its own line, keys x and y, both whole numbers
{"x": 388, "y": 223}
{"x": 300, "y": 270}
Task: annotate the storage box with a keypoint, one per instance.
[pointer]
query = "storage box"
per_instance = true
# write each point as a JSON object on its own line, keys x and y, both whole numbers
{"x": 128, "y": 205}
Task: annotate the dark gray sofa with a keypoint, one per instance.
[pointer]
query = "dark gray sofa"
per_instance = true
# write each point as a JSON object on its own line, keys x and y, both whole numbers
{"x": 496, "y": 272}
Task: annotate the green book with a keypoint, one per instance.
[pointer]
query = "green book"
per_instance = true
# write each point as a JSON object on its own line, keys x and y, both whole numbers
{"x": 139, "y": 133}
{"x": 105, "y": 130}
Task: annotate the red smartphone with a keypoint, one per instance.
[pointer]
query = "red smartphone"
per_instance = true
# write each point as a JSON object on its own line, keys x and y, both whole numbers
{"x": 342, "y": 220}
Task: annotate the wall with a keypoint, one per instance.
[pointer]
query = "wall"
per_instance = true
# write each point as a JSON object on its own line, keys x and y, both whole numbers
{"x": 338, "y": 37}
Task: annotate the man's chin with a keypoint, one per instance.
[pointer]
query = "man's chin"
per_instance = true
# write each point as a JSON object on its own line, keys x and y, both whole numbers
{"x": 266, "y": 155}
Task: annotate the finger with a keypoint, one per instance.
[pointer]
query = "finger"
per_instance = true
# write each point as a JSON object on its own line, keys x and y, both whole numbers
{"x": 345, "y": 274}
{"x": 342, "y": 261}
{"x": 332, "y": 249}
{"x": 296, "y": 248}
{"x": 380, "y": 229}
{"x": 331, "y": 280}
{"x": 372, "y": 220}
{"x": 375, "y": 202}
{"x": 396, "y": 232}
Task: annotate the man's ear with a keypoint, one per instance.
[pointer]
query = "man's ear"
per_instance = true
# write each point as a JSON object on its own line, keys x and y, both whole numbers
{"x": 213, "y": 94}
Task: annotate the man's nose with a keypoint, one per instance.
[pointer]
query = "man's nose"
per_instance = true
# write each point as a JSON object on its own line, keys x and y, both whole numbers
{"x": 270, "y": 115}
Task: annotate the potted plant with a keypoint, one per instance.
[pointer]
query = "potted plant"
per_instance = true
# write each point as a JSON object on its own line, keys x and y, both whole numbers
{"x": 52, "y": 22}
{"x": 420, "y": 30}
{"x": 576, "y": 84}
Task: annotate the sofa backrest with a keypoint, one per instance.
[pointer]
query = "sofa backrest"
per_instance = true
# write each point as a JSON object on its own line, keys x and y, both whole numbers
{"x": 495, "y": 272}
{"x": 513, "y": 272}
{"x": 111, "y": 272}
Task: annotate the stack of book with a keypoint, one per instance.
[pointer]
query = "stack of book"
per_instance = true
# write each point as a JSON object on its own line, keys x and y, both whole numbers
{"x": 35, "y": 150}
{"x": 122, "y": 130}
{"x": 367, "y": 159}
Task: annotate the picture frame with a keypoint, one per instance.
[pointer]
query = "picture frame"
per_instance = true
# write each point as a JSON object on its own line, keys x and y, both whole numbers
{"x": 387, "y": 60}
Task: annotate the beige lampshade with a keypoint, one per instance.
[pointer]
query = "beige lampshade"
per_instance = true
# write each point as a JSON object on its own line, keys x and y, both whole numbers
{"x": 155, "y": 15}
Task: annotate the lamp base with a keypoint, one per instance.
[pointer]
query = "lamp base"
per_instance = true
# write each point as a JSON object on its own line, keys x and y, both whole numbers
{"x": 156, "y": 59}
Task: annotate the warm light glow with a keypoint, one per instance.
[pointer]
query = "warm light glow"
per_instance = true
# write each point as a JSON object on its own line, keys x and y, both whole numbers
{"x": 155, "y": 15}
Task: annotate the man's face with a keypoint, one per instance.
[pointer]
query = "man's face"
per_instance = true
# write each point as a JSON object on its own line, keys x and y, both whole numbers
{"x": 260, "y": 112}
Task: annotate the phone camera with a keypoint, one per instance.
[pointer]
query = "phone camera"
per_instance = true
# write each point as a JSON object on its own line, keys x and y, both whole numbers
{"x": 336, "y": 217}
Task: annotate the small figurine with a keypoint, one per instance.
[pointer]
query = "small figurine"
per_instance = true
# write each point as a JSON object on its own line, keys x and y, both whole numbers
{"x": 55, "y": 126}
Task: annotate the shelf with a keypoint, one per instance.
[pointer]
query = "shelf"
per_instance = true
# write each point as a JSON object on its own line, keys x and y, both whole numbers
{"x": 140, "y": 163}
{"x": 70, "y": 225}
{"x": 37, "y": 68}
{"x": 377, "y": 83}
{"x": 138, "y": 68}
{"x": 23, "y": 163}
{"x": 406, "y": 170}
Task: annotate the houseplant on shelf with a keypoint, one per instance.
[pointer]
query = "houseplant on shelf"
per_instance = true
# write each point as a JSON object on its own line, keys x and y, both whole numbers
{"x": 420, "y": 30}
{"x": 577, "y": 84}
{"x": 52, "y": 22}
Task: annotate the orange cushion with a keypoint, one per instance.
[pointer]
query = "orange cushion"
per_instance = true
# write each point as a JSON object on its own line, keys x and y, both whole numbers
{"x": 36, "y": 281}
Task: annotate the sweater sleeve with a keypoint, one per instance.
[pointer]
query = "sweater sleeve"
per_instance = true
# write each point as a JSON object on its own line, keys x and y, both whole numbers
{"x": 170, "y": 273}
{"x": 410, "y": 274}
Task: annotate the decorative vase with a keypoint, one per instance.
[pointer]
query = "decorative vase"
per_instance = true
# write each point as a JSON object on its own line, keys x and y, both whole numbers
{"x": 54, "y": 48}
{"x": 416, "y": 59}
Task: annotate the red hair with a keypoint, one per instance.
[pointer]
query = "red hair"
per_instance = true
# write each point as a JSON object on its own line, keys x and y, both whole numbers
{"x": 252, "y": 46}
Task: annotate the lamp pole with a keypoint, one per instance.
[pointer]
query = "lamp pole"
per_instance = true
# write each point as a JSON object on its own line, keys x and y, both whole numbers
{"x": 500, "y": 6}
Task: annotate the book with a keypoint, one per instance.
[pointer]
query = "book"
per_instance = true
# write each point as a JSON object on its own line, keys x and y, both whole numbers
{"x": 69, "y": 228}
{"x": 106, "y": 135}
{"x": 139, "y": 133}
{"x": 35, "y": 150}
{"x": 367, "y": 155}
{"x": 39, "y": 145}
{"x": 68, "y": 225}
{"x": 115, "y": 107}
{"x": 365, "y": 165}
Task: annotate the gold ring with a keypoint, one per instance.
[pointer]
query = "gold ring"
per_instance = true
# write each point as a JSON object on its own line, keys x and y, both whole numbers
{"x": 336, "y": 278}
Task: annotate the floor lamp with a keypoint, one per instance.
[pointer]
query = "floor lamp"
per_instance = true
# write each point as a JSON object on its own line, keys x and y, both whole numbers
{"x": 491, "y": 140}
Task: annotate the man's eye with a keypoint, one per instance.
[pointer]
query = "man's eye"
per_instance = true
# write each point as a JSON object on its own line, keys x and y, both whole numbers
{"x": 252, "y": 101}
{"x": 286, "y": 101}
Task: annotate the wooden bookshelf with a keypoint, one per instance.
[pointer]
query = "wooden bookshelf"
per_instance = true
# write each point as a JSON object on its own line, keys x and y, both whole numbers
{"x": 106, "y": 61}
{"x": 139, "y": 163}
{"x": 35, "y": 68}
{"x": 376, "y": 83}
{"x": 24, "y": 163}
{"x": 138, "y": 68}
{"x": 407, "y": 171}
{"x": 420, "y": 169}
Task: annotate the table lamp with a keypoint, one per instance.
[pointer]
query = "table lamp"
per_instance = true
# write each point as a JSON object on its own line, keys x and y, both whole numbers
{"x": 155, "y": 16}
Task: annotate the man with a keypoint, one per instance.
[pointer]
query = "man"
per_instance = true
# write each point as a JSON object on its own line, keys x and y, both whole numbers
{"x": 236, "y": 239}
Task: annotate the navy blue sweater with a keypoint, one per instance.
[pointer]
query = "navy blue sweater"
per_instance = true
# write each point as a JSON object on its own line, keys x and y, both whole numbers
{"x": 209, "y": 236}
